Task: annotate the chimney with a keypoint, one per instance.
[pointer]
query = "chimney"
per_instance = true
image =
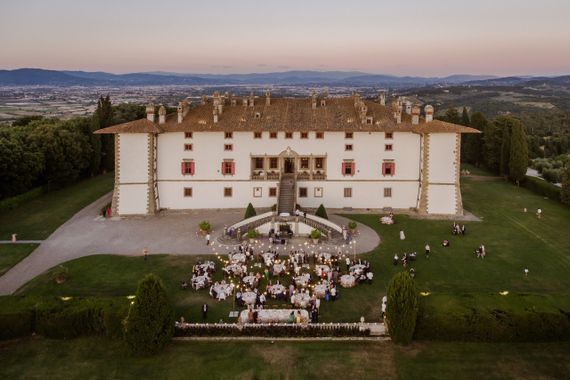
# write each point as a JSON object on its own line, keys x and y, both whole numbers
{"x": 161, "y": 115}
{"x": 429, "y": 113}
{"x": 215, "y": 115}
{"x": 382, "y": 97}
{"x": 180, "y": 111}
{"x": 395, "y": 107}
{"x": 244, "y": 102}
{"x": 251, "y": 100}
{"x": 150, "y": 112}
{"x": 185, "y": 107}
{"x": 267, "y": 98}
{"x": 415, "y": 114}
{"x": 220, "y": 108}
{"x": 398, "y": 117}
{"x": 408, "y": 107}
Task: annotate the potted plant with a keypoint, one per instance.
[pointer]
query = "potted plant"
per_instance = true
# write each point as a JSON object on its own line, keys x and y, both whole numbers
{"x": 315, "y": 235}
{"x": 252, "y": 235}
{"x": 204, "y": 226}
{"x": 60, "y": 275}
{"x": 352, "y": 226}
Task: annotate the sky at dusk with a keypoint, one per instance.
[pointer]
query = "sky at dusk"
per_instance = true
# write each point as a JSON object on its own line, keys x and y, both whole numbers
{"x": 400, "y": 37}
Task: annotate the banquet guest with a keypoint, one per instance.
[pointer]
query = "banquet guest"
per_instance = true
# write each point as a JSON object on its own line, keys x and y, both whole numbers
{"x": 370, "y": 276}
{"x": 428, "y": 250}
{"x": 333, "y": 293}
{"x": 204, "y": 311}
{"x": 396, "y": 259}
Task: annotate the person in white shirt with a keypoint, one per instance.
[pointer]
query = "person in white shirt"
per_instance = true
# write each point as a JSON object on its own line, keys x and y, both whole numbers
{"x": 370, "y": 276}
{"x": 428, "y": 250}
{"x": 207, "y": 239}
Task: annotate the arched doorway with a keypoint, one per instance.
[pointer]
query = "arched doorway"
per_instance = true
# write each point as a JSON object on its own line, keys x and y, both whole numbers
{"x": 289, "y": 165}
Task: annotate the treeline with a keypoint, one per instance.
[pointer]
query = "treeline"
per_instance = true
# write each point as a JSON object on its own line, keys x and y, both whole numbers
{"x": 502, "y": 147}
{"x": 36, "y": 151}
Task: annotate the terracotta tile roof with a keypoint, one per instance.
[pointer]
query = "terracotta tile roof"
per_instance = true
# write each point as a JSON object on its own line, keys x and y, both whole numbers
{"x": 289, "y": 114}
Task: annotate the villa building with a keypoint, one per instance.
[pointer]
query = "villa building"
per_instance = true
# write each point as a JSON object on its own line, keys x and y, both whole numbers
{"x": 342, "y": 152}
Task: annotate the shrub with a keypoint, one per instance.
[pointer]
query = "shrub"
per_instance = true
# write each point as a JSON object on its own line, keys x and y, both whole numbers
{"x": 402, "y": 307}
{"x": 541, "y": 187}
{"x": 315, "y": 234}
{"x": 249, "y": 212}
{"x": 321, "y": 212}
{"x": 205, "y": 225}
{"x": 70, "y": 319}
{"x": 552, "y": 175}
{"x": 252, "y": 234}
{"x": 150, "y": 321}
{"x": 352, "y": 225}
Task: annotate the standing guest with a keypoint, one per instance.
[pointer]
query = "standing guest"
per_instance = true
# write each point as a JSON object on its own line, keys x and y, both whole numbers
{"x": 539, "y": 213}
{"x": 428, "y": 250}
{"x": 402, "y": 235}
{"x": 463, "y": 229}
{"x": 145, "y": 253}
{"x": 347, "y": 263}
{"x": 482, "y": 248}
{"x": 369, "y": 276}
{"x": 396, "y": 259}
{"x": 333, "y": 293}
{"x": 204, "y": 311}
{"x": 208, "y": 239}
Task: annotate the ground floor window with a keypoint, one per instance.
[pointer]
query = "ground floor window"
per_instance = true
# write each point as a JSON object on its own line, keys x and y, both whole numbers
{"x": 227, "y": 191}
{"x": 387, "y": 192}
{"x": 187, "y": 191}
{"x": 348, "y": 192}
{"x": 272, "y": 191}
{"x": 318, "y": 192}
{"x": 257, "y": 192}
{"x": 302, "y": 192}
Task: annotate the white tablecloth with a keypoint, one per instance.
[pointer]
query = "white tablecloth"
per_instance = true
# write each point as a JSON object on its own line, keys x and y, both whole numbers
{"x": 200, "y": 282}
{"x": 301, "y": 299}
{"x": 233, "y": 269}
{"x": 358, "y": 268}
{"x": 237, "y": 258}
{"x": 274, "y": 316}
{"x": 347, "y": 281}
{"x": 249, "y": 280}
{"x": 249, "y": 297}
{"x": 223, "y": 290}
{"x": 208, "y": 265}
{"x": 268, "y": 258}
{"x": 276, "y": 289}
{"x": 320, "y": 290}
{"x": 319, "y": 269}
{"x": 278, "y": 269}
{"x": 303, "y": 279}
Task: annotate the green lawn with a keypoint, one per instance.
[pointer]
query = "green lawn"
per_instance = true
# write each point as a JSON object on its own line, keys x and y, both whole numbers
{"x": 39, "y": 217}
{"x": 10, "y": 255}
{"x": 96, "y": 358}
{"x": 455, "y": 279}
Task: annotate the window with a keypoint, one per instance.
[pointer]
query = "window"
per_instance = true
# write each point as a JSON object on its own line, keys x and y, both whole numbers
{"x": 187, "y": 135}
{"x": 258, "y": 115}
{"x": 348, "y": 135}
{"x": 319, "y": 163}
{"x": 318, "y": 192}
{"x": 348, "y": 192}
{"x": 258, "y": 163}
{"x": 302, "y": 192}
{"x": 256, "y": 135}
{"x": 348, "y": 168}
{"x": 304, "y": 135}
{"x": 388, "y": 168}
{"x": 273, "y": 163}
{"x": 187, "y": 146}
{"x": 227, "y": 192}
{"x": 272, "y": 135}
{"x": 228, "y": 147}
{"x": 388, "y": 147}
{"x": 272, "y": 191}
{"x": 389, "y": 135}
{"x": 228, "y": 168}
{"x": 288, "y": 135}
{"x": 304, "y": 162}
{"x": 348, "y": 147}
{"x": 257, "y": 192}
{"x": 387, "y": 192}
{"x": 229, "y": 135}
{"x": 187, "y": 168}
{"x": 320, "y": 135}
{"x": 187, "y": 191}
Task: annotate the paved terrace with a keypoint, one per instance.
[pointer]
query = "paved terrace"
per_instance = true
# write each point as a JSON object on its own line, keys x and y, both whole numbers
{"x": 88, "y": 234}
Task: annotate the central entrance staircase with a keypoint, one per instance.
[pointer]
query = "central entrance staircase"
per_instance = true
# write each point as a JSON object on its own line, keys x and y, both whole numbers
{"x": 287, "y": 188}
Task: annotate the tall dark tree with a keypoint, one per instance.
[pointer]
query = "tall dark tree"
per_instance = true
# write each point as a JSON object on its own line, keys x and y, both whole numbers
{"x": 150, "y": 322}
{"x": 464, "y": 137}
{"x": 473, "y": 143}
{"x": 402, "y": 308}
{"x": 518, "y": 161}
{"x": 565, "y": 191}
{"x": 505, "y": 150}
{"x": 465, "y": 120}
{"x": 452, "y": 116}
{"x": 103, "y": 118}
{"x": 492, "y": 141}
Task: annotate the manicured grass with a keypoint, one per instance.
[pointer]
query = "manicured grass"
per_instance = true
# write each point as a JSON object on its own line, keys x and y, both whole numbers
{"x": 39, "y": 217}
{"x": 455, "y": 278}
{"x": 474, "y": 170}
{"x": 10, "y": 255}
{"x": 103, "y": 359}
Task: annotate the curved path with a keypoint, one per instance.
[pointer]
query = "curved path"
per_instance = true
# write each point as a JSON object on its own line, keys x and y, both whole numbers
{"x": 87, "y": 234}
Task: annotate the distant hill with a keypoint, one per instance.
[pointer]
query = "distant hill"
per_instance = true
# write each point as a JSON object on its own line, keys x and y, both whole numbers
{"x": 563, "y": 80}
{"x": 41, "y": 77}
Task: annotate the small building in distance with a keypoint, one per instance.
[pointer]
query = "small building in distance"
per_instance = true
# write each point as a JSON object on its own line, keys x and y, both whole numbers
{"x": 343, "y": 152}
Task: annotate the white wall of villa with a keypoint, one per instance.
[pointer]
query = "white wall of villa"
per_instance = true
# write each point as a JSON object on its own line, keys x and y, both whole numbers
{"x": 133, "y": 174}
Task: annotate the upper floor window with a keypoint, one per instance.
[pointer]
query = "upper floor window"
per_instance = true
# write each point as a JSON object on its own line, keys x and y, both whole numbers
{"x": 228, "y": 147}
{"x": 388, "y": 168}
{"x": 228, "y": 135}
{"x": 304, "y": 135}
{"x": 389, "y": 135}
{"x": 348, "y": 168}
{"x": 228, "y": 168}
{"x": 256, "y": 135}
{"x": 273, "y": 163}
{"x": 348, "y": 147}
{"x": 288, "y": 135}
{"x": 272, "y": 135}
{"x": 348, "y": 135}
{"x": 320, "y": 135}
{"x": 258, "y": 163}
{"x": 319, "y": 163}
{"x": 187, "y": 135}
{"x": 272, "y": 191}
{"x": 388, "y": 147}
{"x": 187, "y": 146}
{"x": 187, "y": 167}
{"x": 304, "y": 162}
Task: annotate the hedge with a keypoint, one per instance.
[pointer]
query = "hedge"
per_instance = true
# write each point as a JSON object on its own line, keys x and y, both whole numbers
{"x": 494, "y": 326}
{"x": 541, "y": 187}
{"x": 13, "y": 202}
{"x": 273, "y": 331}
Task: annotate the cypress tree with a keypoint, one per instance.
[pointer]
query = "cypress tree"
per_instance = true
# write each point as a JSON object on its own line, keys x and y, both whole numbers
{"x": 565, "y": 191}
{"x": 249, "y": 211}
{"x": 321, "y": 212}
{"x": 518, "y": 160}
{"x": 103, "y": 118}
{"x": 474, "y": 152}
{"x": 402, "y": 308}
{"x": 150, "y": 323}
{"x": 465, "y": 117}
{"x": 492, "y": 146}
{"x": 505, "y": 151}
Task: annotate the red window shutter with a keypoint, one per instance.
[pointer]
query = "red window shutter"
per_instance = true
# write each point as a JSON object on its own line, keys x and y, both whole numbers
{"x": 192, "y": 167}
{"x": 182, "y": 166}
{"x": 393, "y": 168}
{"x": 343, "y": 168}
{"x": 353, "y": 168}
{"x": 383, "y": 168}
{"x": 223, "y": 168}
{"x": 233, "y": 167}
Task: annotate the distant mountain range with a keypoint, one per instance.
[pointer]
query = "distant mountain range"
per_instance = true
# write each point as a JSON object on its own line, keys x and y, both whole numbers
{"x": 41, "y": 77}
